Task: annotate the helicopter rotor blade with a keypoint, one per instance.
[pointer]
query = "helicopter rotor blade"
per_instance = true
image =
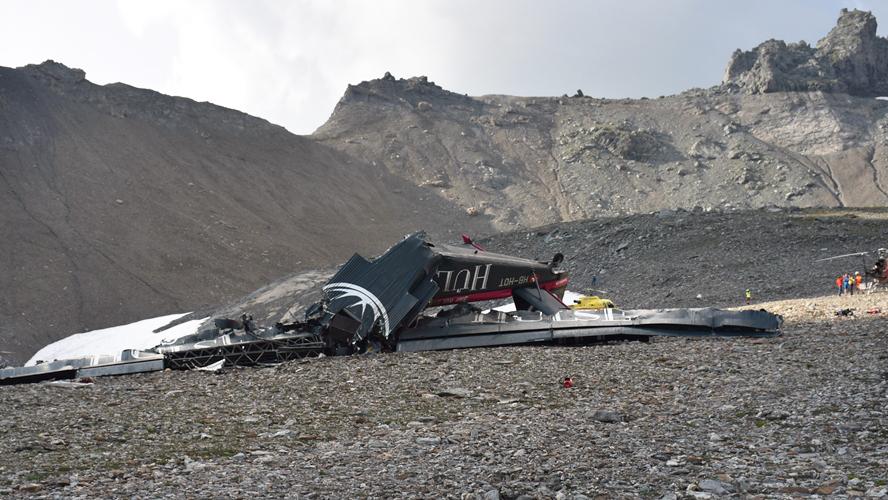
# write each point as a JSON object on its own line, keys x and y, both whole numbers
{"x": 842, "y": 256}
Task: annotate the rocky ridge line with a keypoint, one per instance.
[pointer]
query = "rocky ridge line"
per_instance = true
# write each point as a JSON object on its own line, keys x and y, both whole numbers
{"x": 125, "y": 101}
{"x": 850, "y": 59}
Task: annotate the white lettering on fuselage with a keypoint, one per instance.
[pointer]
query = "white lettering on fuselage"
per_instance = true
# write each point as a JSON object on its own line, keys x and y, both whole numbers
{"x": 515, "y": 281}
{"x": 466, "y": 279}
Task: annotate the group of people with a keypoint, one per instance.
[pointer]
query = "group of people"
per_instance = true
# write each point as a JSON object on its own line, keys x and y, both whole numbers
{"x": 848, "y": 282}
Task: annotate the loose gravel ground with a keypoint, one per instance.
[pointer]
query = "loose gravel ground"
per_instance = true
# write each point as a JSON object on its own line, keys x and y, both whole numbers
{"x": 802, "y": 414}
{"x": 669, "y": 259}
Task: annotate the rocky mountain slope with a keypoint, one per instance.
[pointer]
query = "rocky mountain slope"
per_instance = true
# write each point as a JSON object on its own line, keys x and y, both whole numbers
{"x": 669, "y": 258}
{"x": 118, "y": 203}
{"x": 535, "y": 160}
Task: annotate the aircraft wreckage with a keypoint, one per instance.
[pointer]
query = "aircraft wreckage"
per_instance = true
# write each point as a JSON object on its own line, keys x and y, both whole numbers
{"x": 418, "y": 296}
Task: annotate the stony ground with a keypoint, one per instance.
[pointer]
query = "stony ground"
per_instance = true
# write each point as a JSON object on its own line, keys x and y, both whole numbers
{"x": 795, "y": 415}
{"x": 670, "y": 258}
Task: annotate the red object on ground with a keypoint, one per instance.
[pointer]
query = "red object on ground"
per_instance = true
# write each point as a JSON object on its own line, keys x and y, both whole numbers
{"x": 568, "y": 383}
{"x": 468, "y": 241}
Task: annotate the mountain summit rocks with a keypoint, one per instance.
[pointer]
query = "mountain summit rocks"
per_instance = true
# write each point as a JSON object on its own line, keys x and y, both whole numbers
{"x": 850, "y": 59}
{"x": 414, "y": 93}
{"x": 124, "y": 101}
{"x": 51, "y": 72}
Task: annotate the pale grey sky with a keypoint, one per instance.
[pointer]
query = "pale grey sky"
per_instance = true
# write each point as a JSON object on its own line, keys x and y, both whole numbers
{"x": 289, "y": 61}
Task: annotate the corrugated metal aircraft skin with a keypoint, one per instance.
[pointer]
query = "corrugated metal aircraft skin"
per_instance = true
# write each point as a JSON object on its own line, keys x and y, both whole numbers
{"x": 376, "y": 298}
{"x": 379, "y": 295}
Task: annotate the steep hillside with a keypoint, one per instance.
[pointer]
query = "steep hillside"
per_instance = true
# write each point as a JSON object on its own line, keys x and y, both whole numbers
{"x": 118, "y": 203}
{"x": 535, "y": 160}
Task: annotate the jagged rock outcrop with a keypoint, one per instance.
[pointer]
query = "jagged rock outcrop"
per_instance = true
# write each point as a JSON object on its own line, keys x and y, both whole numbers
{"x": 390, "y": 94}
{"x": 850, "y": 59}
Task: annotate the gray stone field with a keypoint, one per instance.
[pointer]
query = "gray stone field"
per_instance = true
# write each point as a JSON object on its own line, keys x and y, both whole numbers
{"x": 802, "y": 414}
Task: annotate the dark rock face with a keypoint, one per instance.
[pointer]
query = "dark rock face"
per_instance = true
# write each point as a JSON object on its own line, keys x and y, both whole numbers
{"x": 53, "y": 72}
{"x": 850, "y": 59}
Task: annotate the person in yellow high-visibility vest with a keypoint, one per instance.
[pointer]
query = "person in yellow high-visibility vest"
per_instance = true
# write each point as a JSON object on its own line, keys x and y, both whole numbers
{"x": 748, "y": 296}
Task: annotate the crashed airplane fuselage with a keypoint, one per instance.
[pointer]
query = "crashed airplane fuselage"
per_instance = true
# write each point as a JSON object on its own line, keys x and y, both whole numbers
{"x": 379, "y": 305}
{"x": 372, "y": 301}
{"x": 384, "y": 305}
